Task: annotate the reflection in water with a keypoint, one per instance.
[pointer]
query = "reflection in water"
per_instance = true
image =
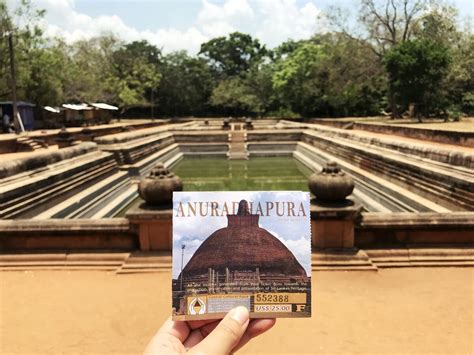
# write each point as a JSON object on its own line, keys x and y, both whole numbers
{"x": 217, "y": 174}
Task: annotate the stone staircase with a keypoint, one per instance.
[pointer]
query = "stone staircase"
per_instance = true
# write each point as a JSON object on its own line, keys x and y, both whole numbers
{"x": 27, "y": 144}
{"x": 440, "y": 182}
{"x": 64, "y": 189}
{"x": 237, "y": 145}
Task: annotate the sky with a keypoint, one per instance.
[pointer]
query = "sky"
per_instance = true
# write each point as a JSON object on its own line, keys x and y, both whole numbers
{"x": 185, "y": 24}
{"x": 294, "y": 232}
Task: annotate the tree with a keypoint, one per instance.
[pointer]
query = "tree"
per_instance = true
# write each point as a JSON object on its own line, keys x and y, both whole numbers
{"x": 385, "y": 24}
{"x": 186, "y": 85}
{"x": 48, "y": 75}
{"x": 301, "y": 82}
{"x": 234, "y": 54}
{"x": 330, "y": 75}
{"x": 439, "y": 25}
{"x": 416, "y": 70}
{"x": 356, "y": 79}
{"x": 5, "y": 27}
{"x": 248, "y": 94}
{"x": 457, "y": 91}
{"x": 234, "y": 98}
{"x": 459, "y": 84}
{"x": 27, "y": 42}
{"x": 89, "y": 74}
{"x": 136, "y": 70}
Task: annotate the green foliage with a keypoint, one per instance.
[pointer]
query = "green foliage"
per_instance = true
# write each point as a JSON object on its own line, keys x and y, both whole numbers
{"x": 407, "y": 52}
{"x": 454, "y": 113}
{"x": 458, "y": 88}
{"x": 234, "y": 54}
{"x": 234, "y": 97}
{"x": 330, "y": 75}
{"x": 186, "y": 85}
{"x": 136, "y": 70}
{"x": 300, "y": 80}
{"x": 416, "y": 70}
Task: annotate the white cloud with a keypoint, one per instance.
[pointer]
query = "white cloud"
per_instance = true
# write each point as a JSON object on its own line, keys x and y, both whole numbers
{"x": 219, "y": 20}
{"x": 272, "y": 21}
{"x": 284, "y": 19}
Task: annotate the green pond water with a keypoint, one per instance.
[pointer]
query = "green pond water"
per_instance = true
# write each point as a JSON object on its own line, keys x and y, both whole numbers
{"x": 220, "y": 174}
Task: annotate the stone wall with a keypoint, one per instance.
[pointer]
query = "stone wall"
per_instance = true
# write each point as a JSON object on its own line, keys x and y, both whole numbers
{"x": 444, "y": 184}
{"x": 418, "y": 149}
{"x": 434, "y": 135}
{"x": 124, "y": 137}
{"x": 403, "y": 229}
{"x": 136, "y": 150}
{"x": 200, "y": 137}
{"x": 62, "y": 234}
{"x": 290, "y": 135}
{"x": 375, "y": 230}
{"x": 67, "y": 183}
{"x": 40, "y": 160}
{"x": 50, "y": 137}
{"x": 269, "y": 148}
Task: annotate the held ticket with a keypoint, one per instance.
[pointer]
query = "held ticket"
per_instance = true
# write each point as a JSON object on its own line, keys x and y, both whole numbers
{"x": 249, "y": 248}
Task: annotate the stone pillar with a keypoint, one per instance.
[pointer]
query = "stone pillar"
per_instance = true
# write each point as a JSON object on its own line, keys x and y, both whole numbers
{"x": 333, "y": 216}
{"x": 153, "y": 218}
{"x": 154, "y": 226}
{"x": 333, "y": 226}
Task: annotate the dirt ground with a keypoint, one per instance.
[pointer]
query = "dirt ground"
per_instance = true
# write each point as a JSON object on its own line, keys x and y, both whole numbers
{"x": 418, "y": 310}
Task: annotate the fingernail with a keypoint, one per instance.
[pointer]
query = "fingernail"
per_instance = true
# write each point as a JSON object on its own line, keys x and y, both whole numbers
{"x": 240, "y": 315}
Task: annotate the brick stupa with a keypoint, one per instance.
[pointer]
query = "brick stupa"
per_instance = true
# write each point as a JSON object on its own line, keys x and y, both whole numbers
{"x": 243, "y": 246}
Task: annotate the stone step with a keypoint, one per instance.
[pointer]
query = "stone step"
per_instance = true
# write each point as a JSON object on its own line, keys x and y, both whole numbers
{"x": 60, "y": 268}
{"x": 438, "y": 263}
{"x": 327, "y": 260}
{"x": 454, "y": 182}
{"x": 341, "y": 260}
{"x": 237, "y": 146}
{"x": 419, "y": 149}
{"x": 51, "y": 184}
{"x": 391, "y": 194}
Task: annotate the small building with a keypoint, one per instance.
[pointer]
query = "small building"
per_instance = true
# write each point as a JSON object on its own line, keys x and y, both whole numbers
{"x": 26, "y": 111}
{"x": 103, "y": 112}
{"x": 53, "y": 117}
{"x": 78, "y": 113}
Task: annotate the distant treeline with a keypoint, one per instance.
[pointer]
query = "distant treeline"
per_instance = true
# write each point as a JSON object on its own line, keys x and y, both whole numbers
{"x": 404, "y": 54}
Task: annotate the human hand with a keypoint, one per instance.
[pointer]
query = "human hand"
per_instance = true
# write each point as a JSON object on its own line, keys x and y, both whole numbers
{"x": 208, "y": 336}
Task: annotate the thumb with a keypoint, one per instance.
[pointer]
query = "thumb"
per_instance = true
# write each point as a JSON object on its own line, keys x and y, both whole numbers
{"x": 227, "y": 334}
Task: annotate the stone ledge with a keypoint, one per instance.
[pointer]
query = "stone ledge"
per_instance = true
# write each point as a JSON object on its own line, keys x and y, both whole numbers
{"x": 348, "y": 260}
{"x": 327, "y": 260}
{"x": 145, "y": 212}
{"x": 420, "y": 220}
{"x": 21, "y": 226}
{"x": 13, "y": 167}
{"x": 142, "y": 133}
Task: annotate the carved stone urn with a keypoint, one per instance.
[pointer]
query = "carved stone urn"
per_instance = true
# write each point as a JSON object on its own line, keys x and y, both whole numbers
{"x": 157, "y": 188}
{"x": 331, "y": 184}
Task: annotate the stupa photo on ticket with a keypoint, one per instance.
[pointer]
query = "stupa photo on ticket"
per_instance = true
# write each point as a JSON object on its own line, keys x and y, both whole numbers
{"x": 241, "y": 248}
